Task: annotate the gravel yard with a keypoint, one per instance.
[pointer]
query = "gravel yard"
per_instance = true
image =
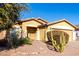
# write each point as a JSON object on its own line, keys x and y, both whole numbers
{"x": 39, "y": 48}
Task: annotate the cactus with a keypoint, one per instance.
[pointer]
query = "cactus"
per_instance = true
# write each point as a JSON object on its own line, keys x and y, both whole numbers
{"x": 62, "y": 42}
{"x": 59, "y": 47}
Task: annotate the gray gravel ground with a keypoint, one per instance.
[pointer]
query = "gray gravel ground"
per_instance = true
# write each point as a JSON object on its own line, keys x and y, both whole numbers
{"x": 39, "y": 48}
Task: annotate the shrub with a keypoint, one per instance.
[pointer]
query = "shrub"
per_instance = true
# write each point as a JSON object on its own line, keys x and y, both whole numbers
{"x": 16, "y": 41}
{"x": 25, "y": 40}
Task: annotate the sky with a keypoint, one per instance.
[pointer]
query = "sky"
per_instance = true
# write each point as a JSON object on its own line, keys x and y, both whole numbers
{"x": 53, "y": 12}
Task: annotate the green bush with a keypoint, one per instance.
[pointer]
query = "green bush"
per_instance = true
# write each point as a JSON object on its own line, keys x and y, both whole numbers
{"x": 25, "y": 40}
{"x": 18, "y": 41}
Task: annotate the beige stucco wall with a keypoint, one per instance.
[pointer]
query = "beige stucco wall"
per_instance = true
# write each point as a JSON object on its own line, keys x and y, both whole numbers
{"x": 28, "y": 24}
{"x": 32, "y": 33}
{"x": 16, "y": 25}
{"x": 70, "y": 33}
{"x": 43, "y": 33}
{"x": 2, "y": 34}
{"x": 63, "y": 26}
{"x": 31, "y": 23}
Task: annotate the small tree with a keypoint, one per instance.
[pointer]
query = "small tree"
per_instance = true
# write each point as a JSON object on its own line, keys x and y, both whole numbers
{"x": 9, "y": 15}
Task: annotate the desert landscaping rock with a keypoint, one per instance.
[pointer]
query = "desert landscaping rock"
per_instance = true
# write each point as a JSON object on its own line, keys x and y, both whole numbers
{"x": 39, "y": 48}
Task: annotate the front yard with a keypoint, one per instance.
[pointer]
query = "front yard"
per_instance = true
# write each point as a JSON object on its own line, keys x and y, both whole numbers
{"x": 39, "y": 48}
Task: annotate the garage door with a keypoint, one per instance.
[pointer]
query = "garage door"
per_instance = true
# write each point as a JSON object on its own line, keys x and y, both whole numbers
{"x": 69, "y": 32}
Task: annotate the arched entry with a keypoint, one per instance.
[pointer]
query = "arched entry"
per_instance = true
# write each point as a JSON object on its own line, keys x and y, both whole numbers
{"x": 56, "y": 35}
{"x": 31, "y": 32}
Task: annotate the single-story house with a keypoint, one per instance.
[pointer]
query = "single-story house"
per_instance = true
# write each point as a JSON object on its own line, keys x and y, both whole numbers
{"x": 36, "y": 28}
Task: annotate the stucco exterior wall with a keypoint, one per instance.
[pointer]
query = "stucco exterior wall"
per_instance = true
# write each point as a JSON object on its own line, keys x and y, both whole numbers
{"x": 63, "y": 26}
{"x": 70, "y": 33}
{"x": 32, "y": 33}
{"x": 43, "y": 33}
{"x": 28, "y": 24}
{"x": 2, "y": 34}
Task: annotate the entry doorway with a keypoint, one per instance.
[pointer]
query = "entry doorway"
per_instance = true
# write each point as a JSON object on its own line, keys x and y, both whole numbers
{"x": 31, "y": 33}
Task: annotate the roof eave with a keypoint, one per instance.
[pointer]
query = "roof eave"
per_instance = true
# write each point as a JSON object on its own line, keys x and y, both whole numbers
{"x": 62, "y": 21}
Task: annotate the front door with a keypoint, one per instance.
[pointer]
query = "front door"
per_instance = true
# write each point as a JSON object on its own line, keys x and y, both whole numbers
{"x": 31, "y": 32}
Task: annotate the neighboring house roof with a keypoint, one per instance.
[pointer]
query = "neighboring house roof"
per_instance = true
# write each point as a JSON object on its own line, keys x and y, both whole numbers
{"x": 77, "y": 27}
{"x": 36, "y": 19}
{"x": 63, "y": 20}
